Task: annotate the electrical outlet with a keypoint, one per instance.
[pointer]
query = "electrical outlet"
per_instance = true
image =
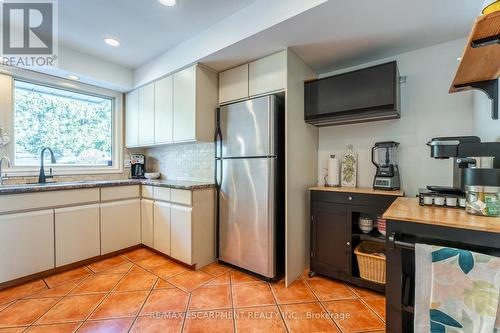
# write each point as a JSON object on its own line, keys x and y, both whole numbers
{"x": 127, "y": 163}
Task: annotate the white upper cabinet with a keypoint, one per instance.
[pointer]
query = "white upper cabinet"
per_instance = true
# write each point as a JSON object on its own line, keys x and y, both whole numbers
{"x": 233, "y": 84}
{"x": 260, "y": 77}
{"x": 163, "y": 110}
{"x": 185, "y": 105}
{"x": 267, "y": 74}
{"x": 178, "y": 108}
{"x": 195, "y": 101}
{"x": 132, "y": 119}
{"x": 147, "y": 115}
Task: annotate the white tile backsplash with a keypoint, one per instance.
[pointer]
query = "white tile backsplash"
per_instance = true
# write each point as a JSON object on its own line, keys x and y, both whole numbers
{"x": 185, "y": 161}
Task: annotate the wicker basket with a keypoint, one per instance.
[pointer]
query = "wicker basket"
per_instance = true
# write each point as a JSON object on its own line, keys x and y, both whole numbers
{"x": 371, "y": 267}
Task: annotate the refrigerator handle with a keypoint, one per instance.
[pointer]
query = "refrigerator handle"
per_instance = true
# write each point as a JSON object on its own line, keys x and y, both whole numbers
{"x": 218, "y": 143}
{"x": 218, "y": 148}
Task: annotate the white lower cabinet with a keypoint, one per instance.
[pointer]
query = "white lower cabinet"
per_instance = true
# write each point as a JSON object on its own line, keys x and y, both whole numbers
{"x": 178, "y": 223}
{"x": 28, "y": 244}
{"x": 162, "y": 227}
{"x": 120, "y": 225}
{"x": 147, "y": 222}
{"x": 77, "y": 234}
{"x": 181, "y": 234}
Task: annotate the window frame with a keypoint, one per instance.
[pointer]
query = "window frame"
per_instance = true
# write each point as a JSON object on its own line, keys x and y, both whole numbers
{"x": 7, "y": 113}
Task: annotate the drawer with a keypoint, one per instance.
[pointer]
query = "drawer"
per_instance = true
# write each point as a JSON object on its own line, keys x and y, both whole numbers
{"x": 356, "y": 199}
{"x": 147, "y": 191}
{"x": 119, "y": 192}
{"x": 162, "y": 193}
{"x": 47, "y": 199}
{"x": 182, "y": 197}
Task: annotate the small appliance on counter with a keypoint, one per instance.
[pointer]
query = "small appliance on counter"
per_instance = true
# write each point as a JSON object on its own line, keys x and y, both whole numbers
{"x": 475, "y": 187}
{"x": 137, "y": 166}
{"x": 384, "y": 157}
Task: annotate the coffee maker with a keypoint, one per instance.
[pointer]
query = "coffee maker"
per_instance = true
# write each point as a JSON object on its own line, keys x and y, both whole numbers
{"x": 466, "y": 152}
{"x": 137, "y": 166}
{"x": 384, "y": 157}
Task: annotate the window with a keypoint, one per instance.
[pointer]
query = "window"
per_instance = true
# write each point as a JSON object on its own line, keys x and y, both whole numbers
{"x": 78, "y": 127}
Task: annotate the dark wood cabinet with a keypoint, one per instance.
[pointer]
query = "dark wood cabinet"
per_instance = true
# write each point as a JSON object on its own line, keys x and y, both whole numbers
{"x": 335, "y": 232}
{"x": 402, "y": 236}
{"x": 331, "y": 233}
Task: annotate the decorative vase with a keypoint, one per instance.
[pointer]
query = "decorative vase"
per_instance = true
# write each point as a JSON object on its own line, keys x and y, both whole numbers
{"x": 349, "y": 167}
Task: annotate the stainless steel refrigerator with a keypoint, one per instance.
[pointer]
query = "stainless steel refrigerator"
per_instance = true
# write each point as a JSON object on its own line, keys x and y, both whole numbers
{"x": 248, "y": 175}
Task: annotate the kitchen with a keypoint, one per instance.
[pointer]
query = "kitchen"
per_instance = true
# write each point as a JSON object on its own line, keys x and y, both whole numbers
{"x": 240, "y": 232}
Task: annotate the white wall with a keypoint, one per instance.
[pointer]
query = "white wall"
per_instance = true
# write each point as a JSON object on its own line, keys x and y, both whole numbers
{"x": 428, "y": 111}
{"x": 91, "y": 70}
{"x": 301, "y": 156}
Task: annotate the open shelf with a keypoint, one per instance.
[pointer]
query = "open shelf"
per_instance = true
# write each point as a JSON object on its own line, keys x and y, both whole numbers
{"x": 479, "y": 67}
{"x": 373, "y": 236}
{"x": 357, "y": 237}
{"x": 480, "y": 58}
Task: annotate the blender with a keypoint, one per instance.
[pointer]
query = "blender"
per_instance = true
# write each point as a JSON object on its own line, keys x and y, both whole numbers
{"x": 384, "y": 157}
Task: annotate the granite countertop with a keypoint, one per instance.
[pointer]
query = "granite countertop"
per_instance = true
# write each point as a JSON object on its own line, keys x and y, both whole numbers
{"x": 362, "y": 190}
{"x": 408, "y": 210}
{"x": 60, "y": 186}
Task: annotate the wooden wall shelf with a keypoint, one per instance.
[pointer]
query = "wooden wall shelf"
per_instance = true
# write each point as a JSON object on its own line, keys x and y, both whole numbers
{"x": 480, "y": 64}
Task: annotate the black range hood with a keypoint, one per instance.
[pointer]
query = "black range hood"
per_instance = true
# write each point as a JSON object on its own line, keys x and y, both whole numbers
{"x": 368, "y": 94}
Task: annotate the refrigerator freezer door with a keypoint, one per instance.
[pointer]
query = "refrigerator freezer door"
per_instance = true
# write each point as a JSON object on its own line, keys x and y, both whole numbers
{"x": 247, "y": 128}
{"x": 246, "y": 226}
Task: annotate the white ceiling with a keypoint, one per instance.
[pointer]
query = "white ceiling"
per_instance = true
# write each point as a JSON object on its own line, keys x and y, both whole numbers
{"x": 343, "y": 33}
{"x": 327, "y": 34}
{"x": 145, "y": 28}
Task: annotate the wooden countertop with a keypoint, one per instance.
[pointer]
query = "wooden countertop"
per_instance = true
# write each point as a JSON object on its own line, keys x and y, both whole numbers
{"x": 363, "y": 190}
{"x": 408, "y": 209}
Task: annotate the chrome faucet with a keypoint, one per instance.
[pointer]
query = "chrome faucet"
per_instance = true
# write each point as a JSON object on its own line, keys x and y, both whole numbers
{"x": 1, "y": 162}
{"x": 41, "y": 177}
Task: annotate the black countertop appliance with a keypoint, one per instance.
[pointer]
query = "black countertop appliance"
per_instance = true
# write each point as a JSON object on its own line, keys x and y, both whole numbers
{"x": 467, "y": 169}
{"x": 137, "y": 166}
{"x": 384, "y": 157}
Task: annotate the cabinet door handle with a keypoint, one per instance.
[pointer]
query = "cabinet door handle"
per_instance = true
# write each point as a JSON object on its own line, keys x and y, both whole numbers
{"x": 348, "y": 243}
{"x": 350, "y": 198}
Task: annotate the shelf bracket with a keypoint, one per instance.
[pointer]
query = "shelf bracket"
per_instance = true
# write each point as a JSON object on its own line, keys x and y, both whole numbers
{"x": 490, "y": 88}
{"x": 487, "y": 41}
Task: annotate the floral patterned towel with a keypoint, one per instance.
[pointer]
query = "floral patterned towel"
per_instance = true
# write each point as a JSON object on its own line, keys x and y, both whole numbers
{"x": 465, "y": 291}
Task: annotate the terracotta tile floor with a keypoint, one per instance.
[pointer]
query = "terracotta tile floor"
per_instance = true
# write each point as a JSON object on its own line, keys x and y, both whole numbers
{"x": 141, "y": 291}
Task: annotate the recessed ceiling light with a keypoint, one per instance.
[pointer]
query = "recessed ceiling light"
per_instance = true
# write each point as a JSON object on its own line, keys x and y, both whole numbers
{"x": 73, "y": 77}
{"x": 169, "y": 3}
{"x": 112, "y": 41}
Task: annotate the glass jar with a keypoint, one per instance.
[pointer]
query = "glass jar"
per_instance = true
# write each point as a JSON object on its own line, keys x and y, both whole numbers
{"x": 483, "y": 200}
